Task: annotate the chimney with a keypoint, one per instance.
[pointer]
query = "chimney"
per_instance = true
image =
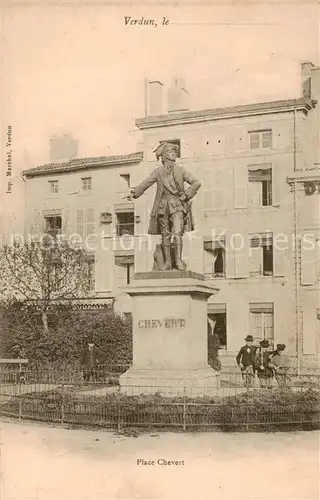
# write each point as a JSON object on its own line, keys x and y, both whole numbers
{"x": 315, "y": 83}
{"x": 177, "y": 96}
{"x": 154, "y": 98}
{"x": 306, "y": 68}
{"x": 63, "y": 148}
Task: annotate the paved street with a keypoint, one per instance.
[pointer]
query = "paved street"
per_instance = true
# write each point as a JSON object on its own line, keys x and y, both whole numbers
{"x": 41, "y": 462}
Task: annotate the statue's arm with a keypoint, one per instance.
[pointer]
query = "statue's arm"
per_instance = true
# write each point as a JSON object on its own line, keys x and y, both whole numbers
{"x": 194, "y": 184}
{"x": 144, "y": 185}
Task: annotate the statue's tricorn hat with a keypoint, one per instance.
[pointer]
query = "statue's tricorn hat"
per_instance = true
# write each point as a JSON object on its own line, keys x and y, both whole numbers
{"x": 164, "y": 147}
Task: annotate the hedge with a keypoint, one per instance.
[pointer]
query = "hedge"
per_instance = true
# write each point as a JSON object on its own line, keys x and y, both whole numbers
{"x": 262, "y": 410}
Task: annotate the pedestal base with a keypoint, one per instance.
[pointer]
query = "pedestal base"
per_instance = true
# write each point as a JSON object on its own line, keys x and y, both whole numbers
{"x": 170, "y": 341}
{"x": 189, "y": 382}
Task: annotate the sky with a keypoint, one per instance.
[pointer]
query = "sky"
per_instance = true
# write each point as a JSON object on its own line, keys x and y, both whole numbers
{"x": 80, "y": 69}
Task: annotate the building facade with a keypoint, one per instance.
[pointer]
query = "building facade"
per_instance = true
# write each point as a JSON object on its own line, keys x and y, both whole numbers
{"x": 256, "y": 215}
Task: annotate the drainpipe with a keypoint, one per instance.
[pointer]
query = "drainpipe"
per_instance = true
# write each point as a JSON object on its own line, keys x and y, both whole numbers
{"x": 296, "y": 249}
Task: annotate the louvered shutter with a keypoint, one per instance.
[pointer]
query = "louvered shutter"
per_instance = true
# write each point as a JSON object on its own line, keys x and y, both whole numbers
{"x": 80, "y": 223}
{"x": 240, "y": 185}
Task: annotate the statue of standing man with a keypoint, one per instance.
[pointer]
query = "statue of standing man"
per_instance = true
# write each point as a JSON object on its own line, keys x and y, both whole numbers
{"x": 171, "y": 213}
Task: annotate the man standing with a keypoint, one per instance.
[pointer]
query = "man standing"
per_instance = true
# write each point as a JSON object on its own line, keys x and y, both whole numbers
{"x": 91, "y": 358}
{"x": 245, "y": 360}
{"x": 262, "y": 363}
{"x": 171, "y": 213}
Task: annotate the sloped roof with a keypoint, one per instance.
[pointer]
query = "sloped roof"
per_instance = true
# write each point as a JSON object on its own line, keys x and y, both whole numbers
{"x": 83, "y": 164}
{"x": 178, "y": 117}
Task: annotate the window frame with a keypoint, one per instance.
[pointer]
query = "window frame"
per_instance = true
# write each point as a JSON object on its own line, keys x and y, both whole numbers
{"x": 261, "y": 139}
{"x": 119, "y": 224}
{"x": 53, "y": 183}
{"x": 265, "y": 241}
{"x": 219, "y": 309}
{"x": 266, "y": 184}
{"x": 266, "y": 311}
{"x": 83, "y": 179}
{"x": 56, "y": 231}
{"x": 212, "y": 246}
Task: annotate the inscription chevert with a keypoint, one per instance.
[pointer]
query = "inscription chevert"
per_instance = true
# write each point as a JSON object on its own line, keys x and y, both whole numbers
{"x": 160, "y": 323}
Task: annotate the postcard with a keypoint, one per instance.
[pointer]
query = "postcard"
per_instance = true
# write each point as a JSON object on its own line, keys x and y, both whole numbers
{"x": 160, "y": 255}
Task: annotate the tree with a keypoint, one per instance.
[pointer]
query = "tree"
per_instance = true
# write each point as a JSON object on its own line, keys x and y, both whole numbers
{"x": 43, "y": 274}
{"x": 21, "y": 335}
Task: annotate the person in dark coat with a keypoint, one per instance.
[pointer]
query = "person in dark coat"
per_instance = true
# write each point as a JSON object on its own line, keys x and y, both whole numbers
{"x": 91, "y": 358}
{"x": 171, "y": 213}
{"x": 213, "y": 346}
{"x": 262, "y": 364}
{"x": 245, "y": 360}
{"x": 279, "y": 363}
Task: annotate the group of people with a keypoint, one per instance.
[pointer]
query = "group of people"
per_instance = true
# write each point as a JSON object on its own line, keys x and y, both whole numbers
{"x": 261, "y": 362}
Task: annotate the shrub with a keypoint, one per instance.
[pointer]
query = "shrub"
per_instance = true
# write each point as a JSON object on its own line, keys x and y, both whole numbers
{"x": 22, "y": 335}
{"x": 274, "y": 410}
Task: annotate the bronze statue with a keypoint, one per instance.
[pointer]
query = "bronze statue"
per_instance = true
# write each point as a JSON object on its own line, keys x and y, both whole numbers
{"x": 171, "y": 214}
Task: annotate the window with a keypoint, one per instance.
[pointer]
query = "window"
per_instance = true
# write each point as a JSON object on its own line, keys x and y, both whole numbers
{"x": 86, "y": 183}
{"x": 261, "y": 255}
{"x": 125, "y": 223}
{"x": 174, "y": 141}
{"x": 260, "y": 139}
{"x": 91, "y": 272}
{"x": 217, "y": 323}
{"x": 261, "y": 321}
{"x": 260, "y": 185}
{"x": 85, "y": 222}
{"x": 53, "y": 225}
{"x": 124, "y": 269}
{"x": 54, "y": 187}
{"x": 215, "y": 258}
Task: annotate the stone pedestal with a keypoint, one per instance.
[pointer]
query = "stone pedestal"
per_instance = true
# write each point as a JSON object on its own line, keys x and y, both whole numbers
{"x": 169, "y": 312}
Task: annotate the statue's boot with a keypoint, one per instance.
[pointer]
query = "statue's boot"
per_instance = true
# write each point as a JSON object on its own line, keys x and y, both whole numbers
{"x": 180, "y": 265}
{"x": 167, "y": 265}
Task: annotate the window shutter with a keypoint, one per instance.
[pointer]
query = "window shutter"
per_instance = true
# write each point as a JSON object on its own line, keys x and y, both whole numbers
{"x": 278, "y": 184}
{"x": 90, "y": 221}
{"x": 207, "y": 191}
{"x": 121, "y": 275}
{"x": 104, "y": 269}
{"x": 255, "y": 194}
{"x": 80, "y": 221}
{"x": 255, "y": 261}
{"x": 280, "y": 258}
{"x": 309, "y": 257}
{"x": 240, "y": 185}
{"x": 230, "y": 260}
{"x": 309, "y": 330}
{"x": 237, "y": 257}
{"x": 219, "y": 192}
{"x": 241, "y": 257}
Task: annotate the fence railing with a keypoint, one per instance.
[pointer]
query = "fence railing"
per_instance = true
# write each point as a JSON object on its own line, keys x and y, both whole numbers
{"x": 71, "y": 397}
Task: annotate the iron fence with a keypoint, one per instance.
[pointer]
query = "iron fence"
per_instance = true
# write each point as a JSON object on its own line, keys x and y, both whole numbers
{"x": 65, "y": 396}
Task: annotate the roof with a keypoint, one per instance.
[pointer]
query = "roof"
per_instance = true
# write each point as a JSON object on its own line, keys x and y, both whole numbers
{"x": 302, "y": 104}
{"x": 83, "y": 164}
